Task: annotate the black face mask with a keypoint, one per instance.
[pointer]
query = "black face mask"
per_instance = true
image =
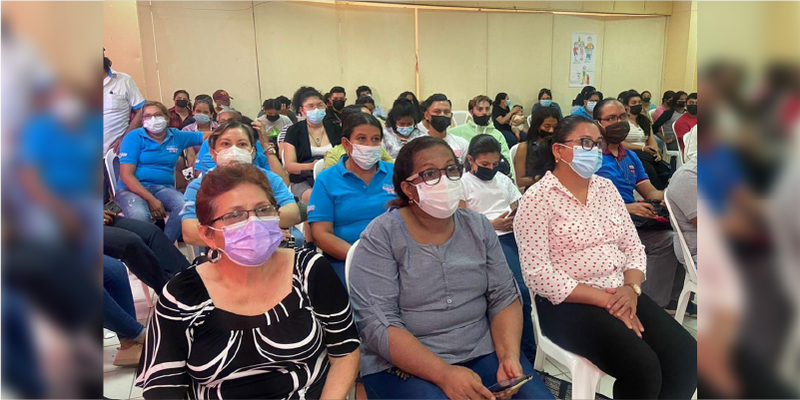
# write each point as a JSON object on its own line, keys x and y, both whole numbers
{"x": 485, "y": 174}
{"x": 482, "y": 121}
{"x": 182, "y": 103}
{"x": 692, "y": 109}
{"x": 636, "y": 110}
{"x": 680, "y": 104}
{"x": 440, "y": 123}
{"x": 273, "y": 118}
{"x": 616, "y": 134}
{"x": 646, "y": 99}
{"x": 544, "y": 134}
{"x": 338, "y": 105}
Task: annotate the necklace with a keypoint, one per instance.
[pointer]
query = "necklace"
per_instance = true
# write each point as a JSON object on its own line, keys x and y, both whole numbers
{"x": 318, "y": 140}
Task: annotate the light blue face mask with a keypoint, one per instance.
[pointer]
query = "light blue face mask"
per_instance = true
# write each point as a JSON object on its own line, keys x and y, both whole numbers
{"x": 585, "y": 162}
{"x": 545, "y": 103}
{"x": 508, "y": 103}
{"x": 316, "y": 116}
{"x": 201, "y": 119}
{"x": 405, "y": 130}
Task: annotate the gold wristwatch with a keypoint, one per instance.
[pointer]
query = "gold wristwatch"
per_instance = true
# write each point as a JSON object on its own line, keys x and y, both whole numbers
{"x": 636, "y": 288}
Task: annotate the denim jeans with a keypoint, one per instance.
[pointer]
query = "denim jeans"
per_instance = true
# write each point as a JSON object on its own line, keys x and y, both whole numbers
{"x": 528, "y": 346}
{"x": 386, "y": 385}
{"x": 119, "y": 313}
{"x": 136, "y": 207}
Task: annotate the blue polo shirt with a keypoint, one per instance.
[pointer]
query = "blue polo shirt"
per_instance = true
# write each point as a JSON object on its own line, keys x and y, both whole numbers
{"x": 64, "y": 157}
{"x": 583, "y": 113}
{"x": 341, "y": 197}
{"x": 155, "y": 162}
{"x": 205, "y": 163}
{"x": 722, "y": 175}
{"x": 626, "y": 171}
{"x": 282, "y": 194}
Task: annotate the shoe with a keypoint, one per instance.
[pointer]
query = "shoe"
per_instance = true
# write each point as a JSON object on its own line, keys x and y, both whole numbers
{"x": 691, "y": 309}
{"x": 129, "y": 356}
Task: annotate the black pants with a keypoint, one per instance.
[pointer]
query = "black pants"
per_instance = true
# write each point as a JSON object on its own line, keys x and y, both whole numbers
{"x": 662, "y": 365}
{"x": 658, "y": 172}
{"x": 145, "y": 250}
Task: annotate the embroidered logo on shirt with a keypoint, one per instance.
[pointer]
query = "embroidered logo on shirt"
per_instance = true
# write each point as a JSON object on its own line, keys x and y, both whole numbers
{"x": 633, "y": 169}
{"x": 172, "y": 149}
{"x": 123, "y": 155}
{"x": 389, "y": 189}
{"x": 310, "y": 208}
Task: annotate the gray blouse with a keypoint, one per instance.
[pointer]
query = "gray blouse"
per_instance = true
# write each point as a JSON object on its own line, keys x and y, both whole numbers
{"x": 446, "y": 296}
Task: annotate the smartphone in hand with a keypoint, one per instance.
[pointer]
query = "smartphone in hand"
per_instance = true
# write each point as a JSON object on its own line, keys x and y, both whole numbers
{"x": 510, "y": 384}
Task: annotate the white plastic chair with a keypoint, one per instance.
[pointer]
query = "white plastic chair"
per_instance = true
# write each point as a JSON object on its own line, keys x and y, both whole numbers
{"x": 111, "y": 169}
{"x": 529, "y": 120}
{"x": 460, "y": 117}
{"x": 348, "y": 261}
{"x": 650, "y": 113}
{"x": 513, "y": 153}
{"x": 585, "y": 375}
{"x": 675, "y": 153}
{"x": 318, "y": 167}
{"x": 690, "y": 281}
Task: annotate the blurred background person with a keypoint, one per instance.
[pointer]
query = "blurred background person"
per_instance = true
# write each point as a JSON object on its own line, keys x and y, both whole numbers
{"x": 378, "y": 111}
{"x": 401, "y": 126}
{"x": 121, "y": 96}
{"x": 546, "y": 100}
{"x": 222, "y": 100}
{"x": 181, "y": 110}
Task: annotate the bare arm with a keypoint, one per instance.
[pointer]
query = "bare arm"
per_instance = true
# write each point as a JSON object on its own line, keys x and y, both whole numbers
{"x": 290, "y": 215}
{"x": 520, "y": 165}
{"x": 136, "y": 122}
{"x": 507, "y": 332}
{"x": 191, "y": 235}
{"x": 649, "y": 192}
{"x": 327, "y": 241}
{"x": 290, "y": 160}
{"x": 341, "y": 376}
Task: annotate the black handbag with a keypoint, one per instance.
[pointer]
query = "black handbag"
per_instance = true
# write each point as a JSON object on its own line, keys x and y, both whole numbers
{"x": 660, "y": 222}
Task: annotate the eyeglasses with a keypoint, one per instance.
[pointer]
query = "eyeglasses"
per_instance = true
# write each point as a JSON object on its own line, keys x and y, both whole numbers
{"x": 239, "y": 216}
{"x": 588, "y": 144}
{"x": 434, "y": 175}
{"x": 145, "y": 117}
{"x": 615, "y": 118}
{"x": 319, "y": 106}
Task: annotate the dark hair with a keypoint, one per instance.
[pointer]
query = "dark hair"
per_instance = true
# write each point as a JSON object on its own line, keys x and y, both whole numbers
{"x": 598, "y": 109}
{"x": 271, "y": 104}
{"x": 692, "y": 96}
{"x": 402, "y": 108}
{"x": 595, "y": 93}
{"x": 362, "y": 88}
{"x": 545, "y": 160}
{"x": 641, "y": 120}
{"x": 674, "y": 102}
{"x": 222, "y": 128}
{"x": 365, "y": 100}
{"x": 483, "y": 144}
{"x": 500, "y": 97}
{"x": 352, "y": 121}
{"x": 479, "y": 99}
{"x": 284, "y": 100}
{"x": 337, "y": 89}
{"x": 351, "y": 109}
{"x": 648, "y": 92}
{"x": 206, "y": 102}
{"x": 177, "y": 92}
{"x": 543, "y": 92}
{"x": 414, "y": 101}
{"x": 303, "y": 94}
{"x": 581, "y": 96}
{"x": 223, "y": 179}
{"x": 404, "y": 164}
{"x": 668, "y": 95}
{"x": 434, "y": 98}
{"x": 537, "y": 119}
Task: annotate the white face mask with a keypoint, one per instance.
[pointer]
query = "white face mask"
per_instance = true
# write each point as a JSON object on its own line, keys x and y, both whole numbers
{"x": 234, "y": 154}
{"x": 156, "y": 124}
{"x": 365, "y": 156}
{"x": 440, "y": 200}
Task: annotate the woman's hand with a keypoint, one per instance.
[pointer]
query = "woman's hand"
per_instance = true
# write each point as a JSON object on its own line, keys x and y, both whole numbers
{"x": 650, "y": 150}
{"x": 108, "y": 217}
{"x": 462, "y": 383}
{"x": 657, "y": 157}
{"x": 623, "y": 302}
{"x": 157, "y": 209}
{"x": 641, "y": 209}
{"x": 508, "y": 369}
{"x": 633, "y": 324}
{"x": 503, "y": 223}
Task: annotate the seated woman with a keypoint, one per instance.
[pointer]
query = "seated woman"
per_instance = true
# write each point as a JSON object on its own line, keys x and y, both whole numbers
{"x": 308, "y": 141}
{"x": 119, "y": 313}
{"x": 335, "y": 154}
{"x": 266, "y": 159}
{"x": 434, "y": 298}
{"x": 401, "y": 126}
{"x": 584, "y": 261}
{"x": 495, "y": 196}
{"x": 641, "y": 141}
{"x": 146, "y": 187}
{"x": 543, "y": 120}
{"x": 255, "y": 321}
{"x": 348, "y": 196}
{"x": 546, "y": 100}
{"x": 203, "y": 122}
{"x": 232, "y": 143}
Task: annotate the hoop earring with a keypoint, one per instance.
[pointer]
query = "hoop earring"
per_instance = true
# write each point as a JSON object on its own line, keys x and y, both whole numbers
{"x": 214, "y": 256}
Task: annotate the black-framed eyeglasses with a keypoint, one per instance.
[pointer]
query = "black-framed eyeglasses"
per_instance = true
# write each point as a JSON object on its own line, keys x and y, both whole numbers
{"x": 588, "y": 144}
{"x": 434, "y": 175}
{"x": 615, "y": 118}
{"x": 242, "y": 215}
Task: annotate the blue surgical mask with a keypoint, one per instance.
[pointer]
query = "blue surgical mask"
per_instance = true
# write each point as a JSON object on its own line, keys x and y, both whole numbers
{"x": 316, "y": 116}
{"x": 405, "y": 130}
{"x": 585, "y": 162}
{"x": 545, "y": 103}
{"x": 508, "y": 103}
{"x": 201, "y": 119}
{"x": 590, "y": 105}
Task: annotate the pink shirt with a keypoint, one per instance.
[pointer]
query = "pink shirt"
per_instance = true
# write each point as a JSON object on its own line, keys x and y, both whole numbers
{"x": 563, "y": 242}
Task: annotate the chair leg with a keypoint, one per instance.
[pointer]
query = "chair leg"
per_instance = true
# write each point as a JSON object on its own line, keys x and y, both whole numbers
{"x": 683, "y": 301}
{"x": 584, "y": 381}
{"x": 538, "y": 362}
{"x": 147, "y": 297}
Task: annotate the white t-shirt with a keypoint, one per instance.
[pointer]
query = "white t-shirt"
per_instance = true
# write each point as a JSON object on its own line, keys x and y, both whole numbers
{"x": 636, "y": 136}
{"x": 120, "y": 95}
{"x": 422, "y": 128}
{"x": 490, "y": 198}
{"x": 282, "y": 122}
{"x": 690, "y": 144}
{"x": 459, "y": 145}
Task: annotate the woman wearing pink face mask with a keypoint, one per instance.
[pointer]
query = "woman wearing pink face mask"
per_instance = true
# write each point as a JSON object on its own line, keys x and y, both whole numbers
{"x": 255, "y": 321}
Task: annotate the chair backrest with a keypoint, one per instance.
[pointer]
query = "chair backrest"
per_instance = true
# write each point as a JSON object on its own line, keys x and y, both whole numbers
{"x": 513, "y": 153}
{"x": 460, "y": 117}
{"x": 318, "y": 167}
{"x": 529, "y": 120}
{"x": 536, "y": 327}
{"x": 688, "y": 262}
{"x": 650, "y": 113}
{"x": 112, "y": 163}
{"x": 348, "y": 261}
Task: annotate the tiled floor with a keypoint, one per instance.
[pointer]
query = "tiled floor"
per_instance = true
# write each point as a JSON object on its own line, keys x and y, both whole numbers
{"x": 118, "y": 381}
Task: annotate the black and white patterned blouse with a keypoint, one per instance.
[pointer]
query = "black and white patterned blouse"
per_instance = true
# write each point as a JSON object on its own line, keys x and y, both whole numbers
{"x": 197, "y": 351}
